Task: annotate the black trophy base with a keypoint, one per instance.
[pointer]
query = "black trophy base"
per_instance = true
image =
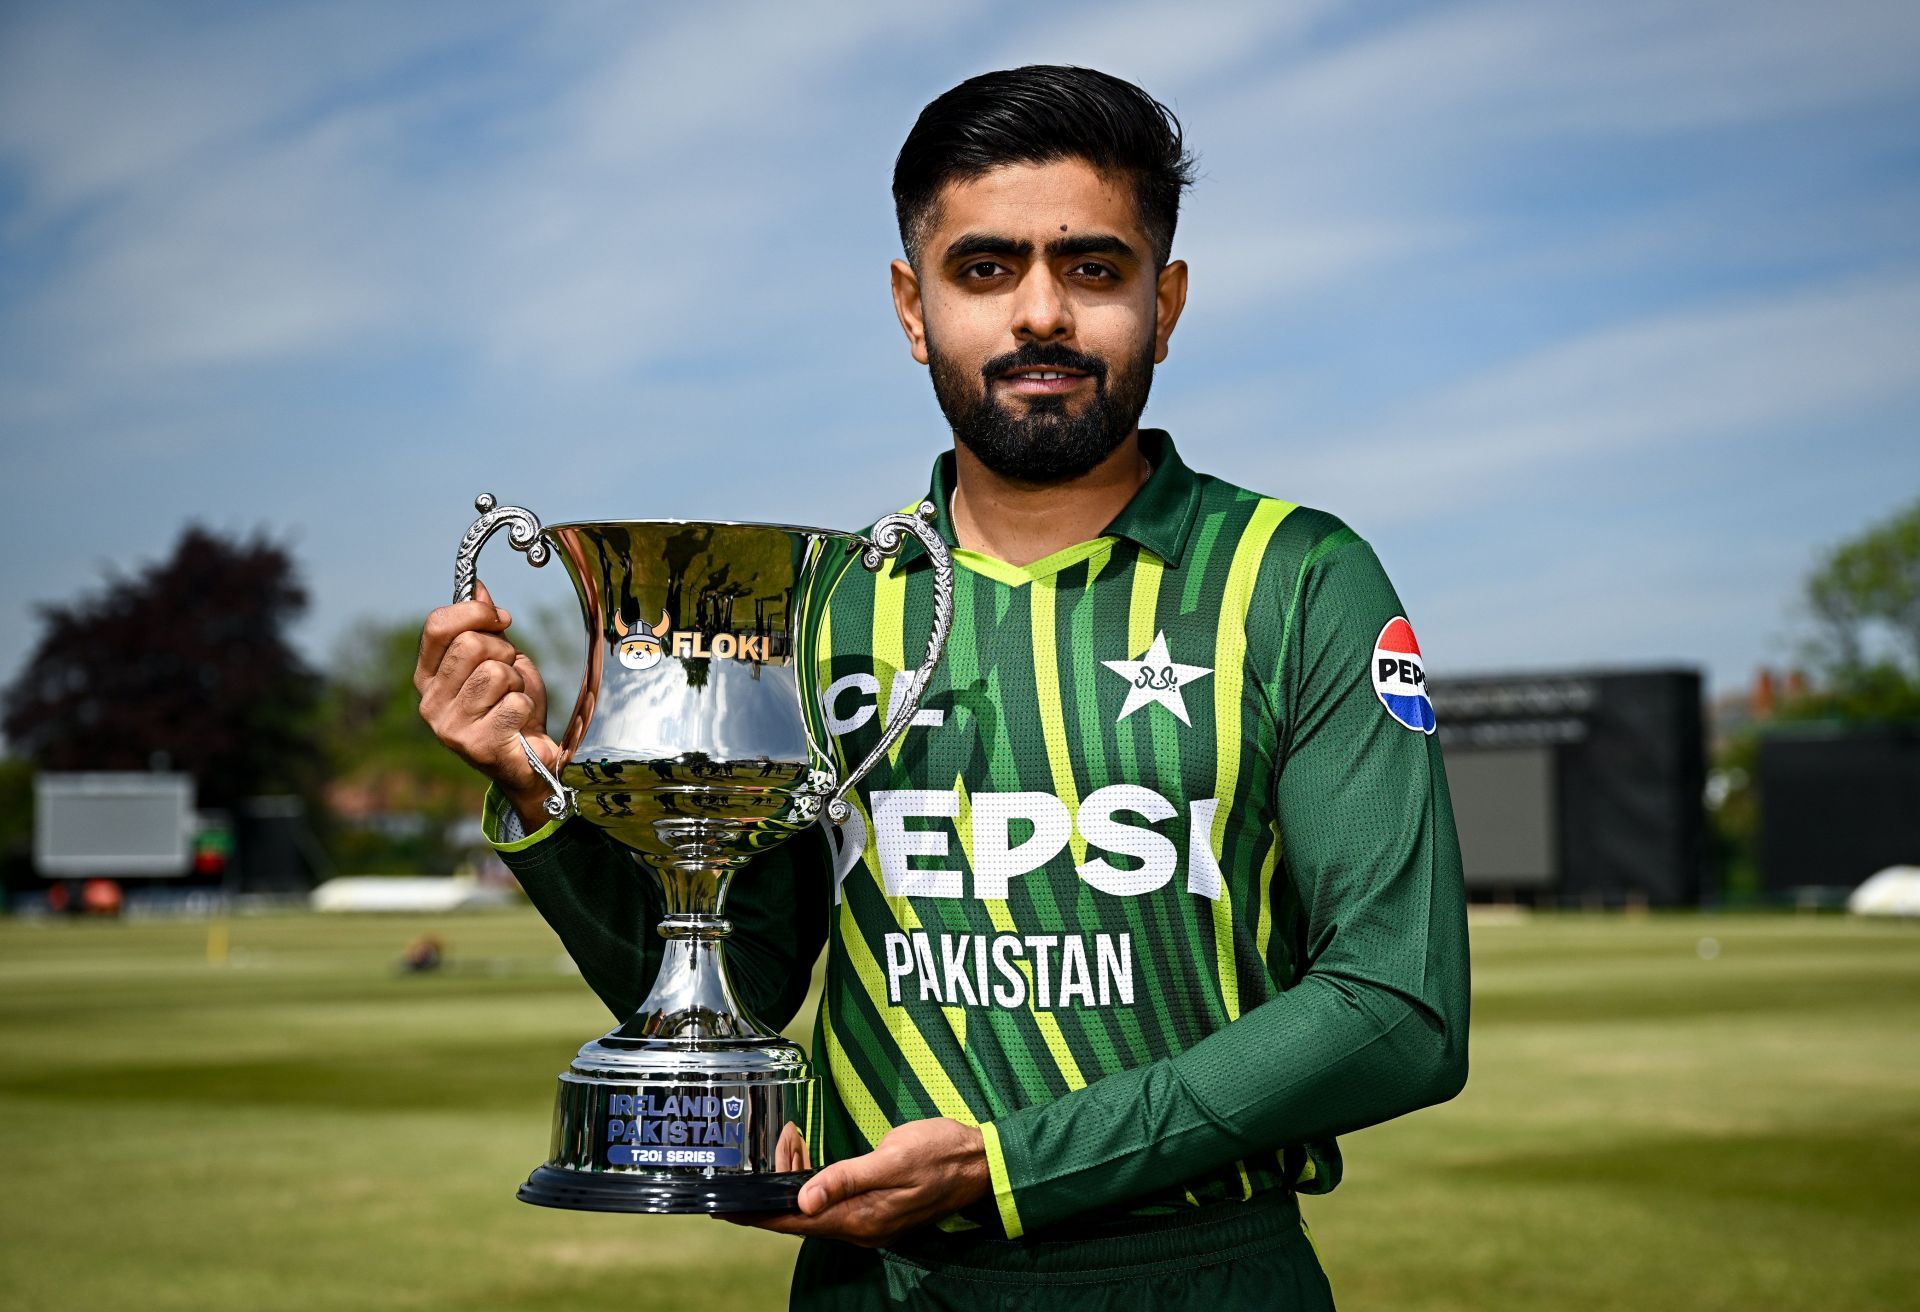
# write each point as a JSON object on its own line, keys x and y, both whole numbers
{"x": 610, "y": 1191}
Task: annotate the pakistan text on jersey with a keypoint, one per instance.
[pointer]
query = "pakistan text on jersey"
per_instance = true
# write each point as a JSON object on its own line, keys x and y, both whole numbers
{"x": 1010, "y": 971}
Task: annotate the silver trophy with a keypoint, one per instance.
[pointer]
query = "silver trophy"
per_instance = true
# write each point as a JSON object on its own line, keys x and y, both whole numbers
{"x": 697, "y": 740}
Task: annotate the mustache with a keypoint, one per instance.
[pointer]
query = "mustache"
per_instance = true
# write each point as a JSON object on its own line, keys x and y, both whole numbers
{"x": 1037, "y": 355}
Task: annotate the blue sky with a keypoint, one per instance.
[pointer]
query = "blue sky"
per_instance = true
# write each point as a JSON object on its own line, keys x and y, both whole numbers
{"x": 1599, "y": 320}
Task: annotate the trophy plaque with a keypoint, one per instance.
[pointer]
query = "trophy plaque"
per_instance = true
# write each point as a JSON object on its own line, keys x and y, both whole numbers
{"x": 697, "y": 741}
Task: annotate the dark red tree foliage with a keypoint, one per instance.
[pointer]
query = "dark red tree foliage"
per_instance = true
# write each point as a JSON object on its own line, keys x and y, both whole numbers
{"x": 188, "y": 657}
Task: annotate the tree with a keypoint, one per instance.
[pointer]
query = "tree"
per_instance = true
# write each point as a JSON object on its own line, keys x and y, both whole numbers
{"x": 1865, "y": 596}
{"x": 186, "y": 659}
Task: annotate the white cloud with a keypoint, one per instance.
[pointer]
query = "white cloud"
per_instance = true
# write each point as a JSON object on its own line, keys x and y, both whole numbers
{"x": 1148, "y": 44}
{"x": 1239, "y": 268}
{"x": 667, "y": 91}
{"x": 1527, "y": 69}
{"x": 95, "y": 101}
{"x": 1675, "y": 378}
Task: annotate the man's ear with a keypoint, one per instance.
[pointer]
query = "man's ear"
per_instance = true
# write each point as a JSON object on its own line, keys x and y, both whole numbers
{"x": 907, "y": 304}
{"x": 1169, "y": 298}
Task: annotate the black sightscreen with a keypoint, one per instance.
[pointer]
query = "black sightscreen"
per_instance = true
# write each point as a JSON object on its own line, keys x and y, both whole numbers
{"x": 1837, "y": 805}
{"x": 1578, "y": 787}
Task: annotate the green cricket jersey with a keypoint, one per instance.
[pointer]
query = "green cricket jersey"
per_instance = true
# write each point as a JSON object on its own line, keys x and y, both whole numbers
{"x": 1161, "y": 889}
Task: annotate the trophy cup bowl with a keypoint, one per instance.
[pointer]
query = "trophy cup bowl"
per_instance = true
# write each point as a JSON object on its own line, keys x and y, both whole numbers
{"x": 697, "y": 741}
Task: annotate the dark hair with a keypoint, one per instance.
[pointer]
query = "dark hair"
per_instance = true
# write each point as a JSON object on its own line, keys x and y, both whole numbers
{"x": 1036, "y": 115}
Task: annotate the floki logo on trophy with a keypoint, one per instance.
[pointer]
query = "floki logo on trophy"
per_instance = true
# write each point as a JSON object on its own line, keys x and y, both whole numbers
{"x": 641, "y": 645}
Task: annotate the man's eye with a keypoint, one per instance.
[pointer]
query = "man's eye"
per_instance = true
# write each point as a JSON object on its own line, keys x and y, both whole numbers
{"x": 982, "y": 269}
{"x": 1092, "y": 271}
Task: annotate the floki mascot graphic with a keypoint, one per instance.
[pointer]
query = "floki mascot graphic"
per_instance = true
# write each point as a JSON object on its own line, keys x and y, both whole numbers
{"x": 641, "y": 644}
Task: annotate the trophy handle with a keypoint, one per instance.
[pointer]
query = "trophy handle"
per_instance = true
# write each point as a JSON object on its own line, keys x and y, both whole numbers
{"x": 889, "y": 536}
{"x": 523, "y": 534}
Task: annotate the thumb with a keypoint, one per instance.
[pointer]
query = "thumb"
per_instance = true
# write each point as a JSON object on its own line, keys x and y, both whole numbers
{"x": 839, "y": 1182}
{"x": 480, "y": 594}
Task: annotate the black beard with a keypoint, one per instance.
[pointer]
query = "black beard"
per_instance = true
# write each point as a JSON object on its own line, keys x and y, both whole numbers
{"x": 1045, "y": 444}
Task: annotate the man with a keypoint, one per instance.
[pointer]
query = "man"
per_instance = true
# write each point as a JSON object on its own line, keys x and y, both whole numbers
{"x": 1161, "y": 891}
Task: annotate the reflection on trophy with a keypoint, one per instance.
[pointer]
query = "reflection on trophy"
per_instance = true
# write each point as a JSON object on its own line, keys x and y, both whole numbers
{"x": 697, "y": 741}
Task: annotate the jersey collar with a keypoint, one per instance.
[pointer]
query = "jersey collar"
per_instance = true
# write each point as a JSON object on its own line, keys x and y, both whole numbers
{"x": 1159, "y": 518}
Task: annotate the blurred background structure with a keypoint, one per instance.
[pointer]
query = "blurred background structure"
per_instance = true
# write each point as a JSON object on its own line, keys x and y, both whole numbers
{"x": 1600, "y": 321}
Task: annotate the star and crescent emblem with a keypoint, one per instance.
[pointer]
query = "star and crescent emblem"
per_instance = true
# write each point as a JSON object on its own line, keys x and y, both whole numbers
{"x": 1157, "y": 677}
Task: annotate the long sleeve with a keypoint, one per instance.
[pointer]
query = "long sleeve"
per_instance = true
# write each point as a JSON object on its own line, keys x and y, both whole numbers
{"x": 604, "y": 907}
{"x": 1375, "y": 1025}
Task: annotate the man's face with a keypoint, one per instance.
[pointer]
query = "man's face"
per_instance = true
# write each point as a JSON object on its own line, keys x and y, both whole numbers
{"x": 1039, "y": 311}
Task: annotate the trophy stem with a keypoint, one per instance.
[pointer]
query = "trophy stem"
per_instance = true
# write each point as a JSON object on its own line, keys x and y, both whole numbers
{"x": 692, "y": 1000}
{"x": 691, "y": 890}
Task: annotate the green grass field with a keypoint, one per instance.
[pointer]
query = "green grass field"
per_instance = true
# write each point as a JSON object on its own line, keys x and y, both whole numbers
{"x": 1648, "y": 1126}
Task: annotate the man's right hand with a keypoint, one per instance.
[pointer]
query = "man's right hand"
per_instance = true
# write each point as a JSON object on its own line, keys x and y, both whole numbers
{"x": 477, "y": 692}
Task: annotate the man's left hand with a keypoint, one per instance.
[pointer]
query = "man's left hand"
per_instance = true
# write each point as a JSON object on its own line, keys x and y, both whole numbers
{"x": 918, "y": 1173}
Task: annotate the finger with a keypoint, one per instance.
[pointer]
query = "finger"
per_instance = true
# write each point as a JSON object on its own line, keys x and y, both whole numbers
{"x": 483, "y": 689}
{"x": 465, "y": 654}
{"x": 794, "y": 1223}
{"x": 446, "y": 624}
{"x": 495, "y": 743}
{"x": 536, "y": 687}
{"x": 480, "y": 593}
{"x": 790, "y": 1152}
{"x": 481, "y": 723}
{"x": 487, "y": 740}
{"x": 845, "y": 1179}
{"x": 865, "y": 1219}
{"x": 821, "y": 1192}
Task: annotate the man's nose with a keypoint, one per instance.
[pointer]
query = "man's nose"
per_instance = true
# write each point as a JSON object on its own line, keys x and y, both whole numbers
{"x": 1041, "y": 312}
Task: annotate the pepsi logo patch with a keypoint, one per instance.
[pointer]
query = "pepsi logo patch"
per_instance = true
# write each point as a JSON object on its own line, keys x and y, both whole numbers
{"x": 1399, "y": 676}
